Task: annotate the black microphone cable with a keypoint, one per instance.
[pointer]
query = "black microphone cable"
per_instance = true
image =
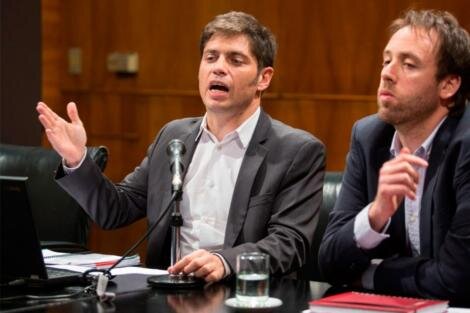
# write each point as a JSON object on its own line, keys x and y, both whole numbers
{"x": 95, "y": 286}
{"x": 175, "y": 150}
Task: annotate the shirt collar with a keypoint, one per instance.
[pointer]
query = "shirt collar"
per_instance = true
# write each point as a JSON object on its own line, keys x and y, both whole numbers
{"x": 424, "y": 150}
{"x": 245, "y": 131}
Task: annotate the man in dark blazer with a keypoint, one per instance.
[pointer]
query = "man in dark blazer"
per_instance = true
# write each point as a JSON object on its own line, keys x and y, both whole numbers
{"x": 251, "y": 184}
{"x": 401, "y": 224}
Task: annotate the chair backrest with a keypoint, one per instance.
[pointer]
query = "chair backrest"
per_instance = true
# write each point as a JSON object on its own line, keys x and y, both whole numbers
{"x": 59, "y": 220}
{"x": 331, "y": 187}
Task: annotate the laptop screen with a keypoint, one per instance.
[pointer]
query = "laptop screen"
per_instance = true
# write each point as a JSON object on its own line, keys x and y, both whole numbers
{"x": 20, "y": 253}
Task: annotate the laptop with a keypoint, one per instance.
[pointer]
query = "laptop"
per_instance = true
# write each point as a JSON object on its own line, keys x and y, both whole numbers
{"x": 21, "y": 259}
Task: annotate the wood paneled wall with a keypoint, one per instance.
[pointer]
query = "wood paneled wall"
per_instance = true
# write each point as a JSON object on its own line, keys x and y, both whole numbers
{"x": 326, "y": 71}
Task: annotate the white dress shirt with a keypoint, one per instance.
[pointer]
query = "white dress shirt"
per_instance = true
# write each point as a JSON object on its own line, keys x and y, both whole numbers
{"x": 209, "y": 185}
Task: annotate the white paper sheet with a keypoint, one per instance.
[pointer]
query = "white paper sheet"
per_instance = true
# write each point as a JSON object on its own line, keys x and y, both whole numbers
{"x": 115, "y": 271}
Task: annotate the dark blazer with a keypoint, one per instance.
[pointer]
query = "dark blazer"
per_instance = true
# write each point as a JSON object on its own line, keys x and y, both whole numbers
{"x": 274, "y": 205}
{"x": 443, "y": 268}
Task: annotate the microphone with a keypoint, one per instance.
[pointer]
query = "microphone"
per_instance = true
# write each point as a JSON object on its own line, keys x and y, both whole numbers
{"x": 99, "y": 285}
{"x": 175, "y": 151}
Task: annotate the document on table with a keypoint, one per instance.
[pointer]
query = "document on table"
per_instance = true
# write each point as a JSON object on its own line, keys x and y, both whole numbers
{"x": 88, "y": 259}
{"x": 457, "y": 310}
{"x": 115, "y": 271}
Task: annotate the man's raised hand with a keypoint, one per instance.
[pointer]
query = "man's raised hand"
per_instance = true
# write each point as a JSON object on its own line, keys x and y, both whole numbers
{"x": 67, "y": 138}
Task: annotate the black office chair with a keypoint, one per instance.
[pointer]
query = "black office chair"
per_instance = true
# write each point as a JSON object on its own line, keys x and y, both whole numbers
{"x": 331, "y": 187}
{"x": 60, "y": 222}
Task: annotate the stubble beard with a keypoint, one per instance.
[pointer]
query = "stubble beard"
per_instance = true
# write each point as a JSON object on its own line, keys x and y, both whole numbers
{"x": 407, "y": 112}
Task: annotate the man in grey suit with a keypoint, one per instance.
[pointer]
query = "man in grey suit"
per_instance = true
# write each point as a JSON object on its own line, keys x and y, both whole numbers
{"x": 251, "y": 184}
{"x": 401, "y": 224}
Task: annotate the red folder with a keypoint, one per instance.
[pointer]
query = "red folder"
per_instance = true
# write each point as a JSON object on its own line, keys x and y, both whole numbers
{"x": 351, "y": 302}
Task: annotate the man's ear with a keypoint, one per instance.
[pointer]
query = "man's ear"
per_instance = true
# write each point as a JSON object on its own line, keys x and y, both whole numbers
{"x": 448, "y": 86}
{"x": 264, "y": 78}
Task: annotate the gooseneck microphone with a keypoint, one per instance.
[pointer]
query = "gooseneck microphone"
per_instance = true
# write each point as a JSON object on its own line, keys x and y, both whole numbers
{"x": 175, "y": 151}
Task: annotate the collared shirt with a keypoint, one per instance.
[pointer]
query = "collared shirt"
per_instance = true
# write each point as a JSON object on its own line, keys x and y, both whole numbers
{"x": 367, "y": 238}
{"x": 209, "y": 185}
{"x": 413, "y": 207}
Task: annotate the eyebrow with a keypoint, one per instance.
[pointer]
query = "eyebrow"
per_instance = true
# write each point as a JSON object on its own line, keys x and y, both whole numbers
{"x": 404, "y": 55}
{"x": 236, "y": 53}
{"x": 230, "y": 52}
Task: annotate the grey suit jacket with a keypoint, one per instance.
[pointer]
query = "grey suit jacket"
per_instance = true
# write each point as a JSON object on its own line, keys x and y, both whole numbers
{"x": 443, "y": 268}
{"x": 274, "y": 205}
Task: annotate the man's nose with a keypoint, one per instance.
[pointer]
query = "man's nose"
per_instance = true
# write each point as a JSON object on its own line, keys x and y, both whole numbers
{"x": 388, "y": 72}
{"x": 220, "y": 67}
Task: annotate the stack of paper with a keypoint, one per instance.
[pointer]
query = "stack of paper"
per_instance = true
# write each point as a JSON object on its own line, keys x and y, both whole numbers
{"x": 88, "y": 259}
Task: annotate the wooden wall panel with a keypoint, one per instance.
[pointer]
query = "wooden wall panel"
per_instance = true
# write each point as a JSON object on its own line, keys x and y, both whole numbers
{"x": 326, "y": 71}
{"x": 329, "y": 119}
{"x": 51, "y": 51}
{"x": 327, "y": 49}
{"x": 77, "y": 30}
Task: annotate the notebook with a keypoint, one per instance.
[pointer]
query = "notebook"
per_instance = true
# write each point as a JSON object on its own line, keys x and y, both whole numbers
{"x": 21, "y": 258}
{"x": 360, "y": 302}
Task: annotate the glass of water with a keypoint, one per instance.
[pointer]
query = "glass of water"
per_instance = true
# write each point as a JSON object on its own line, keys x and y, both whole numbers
{"x": 252, "y": 279}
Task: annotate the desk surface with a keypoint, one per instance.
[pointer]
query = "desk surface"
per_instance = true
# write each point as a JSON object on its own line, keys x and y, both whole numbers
{"x": 133, "y": 295}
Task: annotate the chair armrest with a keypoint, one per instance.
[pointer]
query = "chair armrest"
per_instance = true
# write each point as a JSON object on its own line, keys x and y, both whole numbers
{"x": 99, "y": 155}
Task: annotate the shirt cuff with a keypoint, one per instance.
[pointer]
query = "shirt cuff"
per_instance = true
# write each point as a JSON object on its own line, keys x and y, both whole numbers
{"x": 367, "y": 279}
{"x": 227, "y": 270}
{"x": 366, "y": 237}
{"x": 70, "y": 170}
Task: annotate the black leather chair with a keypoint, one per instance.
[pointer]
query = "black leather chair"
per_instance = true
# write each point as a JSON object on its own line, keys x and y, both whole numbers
{"x": 331, "y": 187}
{"x": 60, "y": 222}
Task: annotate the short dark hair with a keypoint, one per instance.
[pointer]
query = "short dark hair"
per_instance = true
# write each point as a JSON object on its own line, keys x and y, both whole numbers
{"x": 262, "y": 41}
{"x": 454, "y": 46}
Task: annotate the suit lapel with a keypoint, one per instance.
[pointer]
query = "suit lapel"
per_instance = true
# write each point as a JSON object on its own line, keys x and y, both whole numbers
{"x": 190, "y": 140}
{"x": 438, "y": 151}
{"x": 253, "y": 159}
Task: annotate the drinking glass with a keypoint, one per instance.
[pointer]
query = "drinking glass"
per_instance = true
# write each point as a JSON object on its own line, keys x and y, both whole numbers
{"x": 252, "y": 279}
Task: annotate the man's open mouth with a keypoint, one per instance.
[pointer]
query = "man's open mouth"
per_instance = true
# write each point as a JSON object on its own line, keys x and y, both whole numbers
{"x": 213, "y": 86}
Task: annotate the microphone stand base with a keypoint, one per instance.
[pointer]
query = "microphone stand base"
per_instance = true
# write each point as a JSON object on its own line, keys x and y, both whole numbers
{"x": 175, "y": 282}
